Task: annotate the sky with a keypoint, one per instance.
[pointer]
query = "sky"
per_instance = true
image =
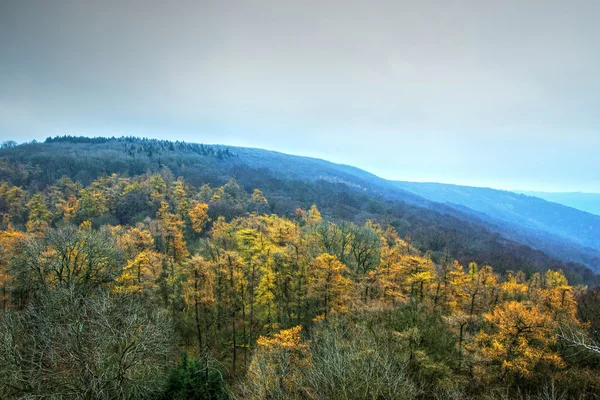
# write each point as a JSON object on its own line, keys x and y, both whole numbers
{"x": 502, "y": 94}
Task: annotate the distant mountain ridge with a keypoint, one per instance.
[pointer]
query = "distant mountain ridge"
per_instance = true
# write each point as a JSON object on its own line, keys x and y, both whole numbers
{"x": 588, "y": 202}
{"x": 542, "y": 224}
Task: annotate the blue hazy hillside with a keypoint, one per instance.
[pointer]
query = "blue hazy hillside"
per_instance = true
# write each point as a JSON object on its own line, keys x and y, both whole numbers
{"x": 560, "y": 231}
{"x": 588, "y": 202}
{"x": 527, "y": 219}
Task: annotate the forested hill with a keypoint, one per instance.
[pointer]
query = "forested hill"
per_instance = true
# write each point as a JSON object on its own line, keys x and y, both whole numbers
{"x": 341, "y": 192}
{"x": 146, "y": 269}
{"x": 524, "y": 218}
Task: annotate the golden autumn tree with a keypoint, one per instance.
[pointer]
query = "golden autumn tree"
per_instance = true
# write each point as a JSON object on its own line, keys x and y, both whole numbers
{"x": 141, "y": 273}
{"x": 327, "y": 284}
{"x": 198, "y": 215}
{"x": 419, "y": 274}
{"x": 10, "y": 240}
{"x": 281, "y": 231}
{"x": 12, "y": 202}
{"x": 313, "y": 215}
{"x": 287, "y": 281}
{"x": 158, "y": 188}
{"x": 217, "y": 194}
{"x": 472, "y": 293}
{"x": 135, "y": 240}
{"x": 556, "y": 297}
{"x": 200, "y": 295}
{"x": 223, "y": 236}
{"x": 450, "y": 296}
{"x": 520, "y": 337}
{"x": 39, "y": 215}
{"x": 111, "y": 187}
{"x": 180, "y": 196}
{"x": 170, "y": 229}
{"x": 514, "y": 288}
{"x": 276, "y": 364}
{"x": 391, "y": 273}
{"x": 68, "y": 208}
{"x": 277, "y": 286}
{"x": 300, "y": 215}
{"x": 258, "y": 202}
{"x": 449, "y": 290}
{"x": 68, "y": 187}
{"x": 92, "y": 203}
{"x": 481, "y": 289}
{"x": 232, "y": 295}
{"x": 258, "y": 197}
{"x": 204, "y": 194}
{"x": 266, "y": 291}
{"x": 255, "y": 248}
{"x": 172, "y": 244}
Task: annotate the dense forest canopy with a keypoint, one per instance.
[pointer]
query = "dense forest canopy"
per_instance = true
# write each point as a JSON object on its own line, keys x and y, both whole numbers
{"x": 342, "y": 193}
{"x": 144, "y": 270}
{"x": 563, "y": 233}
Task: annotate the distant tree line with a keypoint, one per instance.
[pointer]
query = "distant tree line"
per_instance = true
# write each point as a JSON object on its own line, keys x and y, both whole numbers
{"x": 133, "y": 145}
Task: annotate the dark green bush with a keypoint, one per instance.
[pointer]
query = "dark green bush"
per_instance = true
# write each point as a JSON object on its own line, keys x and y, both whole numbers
{"x": 196, "y": 379}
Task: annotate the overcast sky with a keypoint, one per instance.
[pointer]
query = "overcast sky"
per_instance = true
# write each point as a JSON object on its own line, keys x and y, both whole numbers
{"x": 503, "y": 94}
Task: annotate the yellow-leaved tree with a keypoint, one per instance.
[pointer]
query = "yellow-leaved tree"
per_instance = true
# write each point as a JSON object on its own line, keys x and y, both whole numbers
{"x": 39, "y": 216}
{"x": 198, "y": 215}
{"x": 170, "y": 229}
{"x": 327, "y": 285}
{"x": 69, "y": 207}
{"x": 140, "y": 274}
{"x": 200, "y": 295}
{"x": 180, "y": 197}
{"x": 258, "y": 197}
{"x": 276, "y": 365}
{"x": 313, "y": 215}
{"x": 519, "y": 337}
{"x": 10, "y": 240}
{"x": 420, "y": 272}
{"x": 11, "y": 196}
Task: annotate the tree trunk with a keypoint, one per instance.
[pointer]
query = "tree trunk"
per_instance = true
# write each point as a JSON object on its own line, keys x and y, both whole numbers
{"x": 197, "y": 312}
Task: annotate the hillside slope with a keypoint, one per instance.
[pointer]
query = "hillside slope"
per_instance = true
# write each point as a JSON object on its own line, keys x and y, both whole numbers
{"x": 588, "y": 202}
{"x": 289, "y": 181}
{"x": 557, "y": 229}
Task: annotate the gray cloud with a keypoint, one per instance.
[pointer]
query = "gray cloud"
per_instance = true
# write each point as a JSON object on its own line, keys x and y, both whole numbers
{"x": 488, "y": 93}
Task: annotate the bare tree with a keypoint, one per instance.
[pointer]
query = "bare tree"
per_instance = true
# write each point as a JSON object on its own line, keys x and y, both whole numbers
{"x": 68, "y": 257}
{"x": 578, "y": 339}
{"x": 72, "y": 346}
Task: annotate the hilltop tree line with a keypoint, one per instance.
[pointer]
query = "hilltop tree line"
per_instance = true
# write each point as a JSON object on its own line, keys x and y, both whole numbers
{"x": 136, "y": 146}
{"x": 150, "y": 287}
{"x": 36, "y": 165}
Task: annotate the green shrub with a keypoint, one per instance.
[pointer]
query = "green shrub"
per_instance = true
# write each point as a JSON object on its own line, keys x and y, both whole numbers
{"x": 195, "y": 379}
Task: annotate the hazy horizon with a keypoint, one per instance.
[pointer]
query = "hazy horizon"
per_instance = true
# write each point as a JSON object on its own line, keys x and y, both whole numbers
{"x": 487, "y": 94}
